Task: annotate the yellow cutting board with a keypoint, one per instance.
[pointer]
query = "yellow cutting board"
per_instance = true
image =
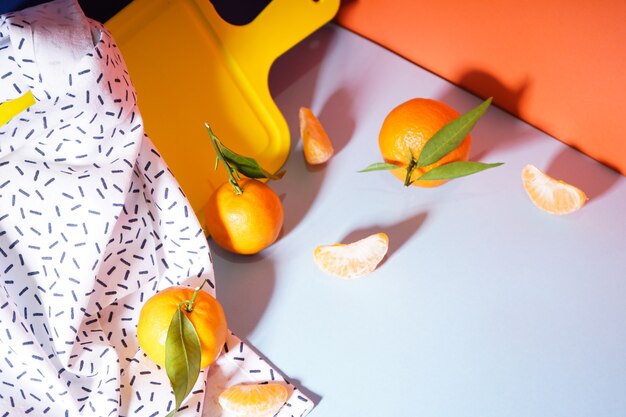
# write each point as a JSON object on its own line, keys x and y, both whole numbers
{"x": 190, "y": 67}
{"x": 10, "y": 109}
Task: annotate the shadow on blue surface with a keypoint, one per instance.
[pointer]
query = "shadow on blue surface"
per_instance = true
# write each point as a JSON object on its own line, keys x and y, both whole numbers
{"x": 298, "y": 200}
{"x": 578, "y": 169}
{"x": 399, "y": 233}
{"x": 340, "y": 130}
{"x": 252, "y": 291}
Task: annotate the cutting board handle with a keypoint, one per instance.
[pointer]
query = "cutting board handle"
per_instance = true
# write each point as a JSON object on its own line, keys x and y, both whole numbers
{"x": 280, "y": 26}
{"x": 284, "y": 23}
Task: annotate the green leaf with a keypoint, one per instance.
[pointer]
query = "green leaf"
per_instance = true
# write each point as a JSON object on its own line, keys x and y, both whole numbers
{"x": 450, "y": 136}
{"x": 379, "y": 166}
{"x": 456, "y": 169}
{"x": 248, "y": 166}
{"x": 235, "y": 163}
{"x": 182, "y": 356}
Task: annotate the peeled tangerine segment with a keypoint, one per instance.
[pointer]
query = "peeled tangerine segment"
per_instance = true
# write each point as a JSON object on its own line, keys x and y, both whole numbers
{"x": 254, "y": 400}
{"x": 316, "y": 145}
{"x": 352, "y": 260}
{"x": 551, "y": 195}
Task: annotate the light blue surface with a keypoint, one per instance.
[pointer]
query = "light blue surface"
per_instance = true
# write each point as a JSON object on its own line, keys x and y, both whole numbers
{"x": 485, "y": 306}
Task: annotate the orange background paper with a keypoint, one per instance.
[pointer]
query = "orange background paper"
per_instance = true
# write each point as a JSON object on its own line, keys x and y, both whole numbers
{"x": 558, "y": 64}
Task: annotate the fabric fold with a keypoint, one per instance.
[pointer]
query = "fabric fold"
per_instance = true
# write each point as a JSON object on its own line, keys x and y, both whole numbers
{"x": 92, "y": 224}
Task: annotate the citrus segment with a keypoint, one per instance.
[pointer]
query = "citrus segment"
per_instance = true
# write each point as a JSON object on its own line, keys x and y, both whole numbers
{"x": 207, "y": 317}
{"x": 244, "y": 223}
{"x": 315, "y": 142}
{"x": 254, "y": 400}
{"x": 354, "y": 259}
{"x": 408, "y": 127}
{"x": 549, "y": 194}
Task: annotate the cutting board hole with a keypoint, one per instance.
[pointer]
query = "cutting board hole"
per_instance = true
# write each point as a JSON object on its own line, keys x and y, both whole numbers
{"x": 239, "y": 12}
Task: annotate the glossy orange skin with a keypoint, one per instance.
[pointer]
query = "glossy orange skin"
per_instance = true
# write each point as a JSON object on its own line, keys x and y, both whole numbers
{"x": 408, "y": 127}
{"x": 207, "y": 318}
{"x": 246, "y": 223}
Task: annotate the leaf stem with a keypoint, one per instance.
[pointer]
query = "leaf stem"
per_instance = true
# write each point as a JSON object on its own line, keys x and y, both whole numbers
{"x": 232, "y": 173}
{"x": 409, "y": 171}
{"x": 188, "y": 304}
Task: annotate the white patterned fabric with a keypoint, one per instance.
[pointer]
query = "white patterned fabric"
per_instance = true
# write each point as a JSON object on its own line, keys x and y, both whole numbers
{"x": 92, "y": 224}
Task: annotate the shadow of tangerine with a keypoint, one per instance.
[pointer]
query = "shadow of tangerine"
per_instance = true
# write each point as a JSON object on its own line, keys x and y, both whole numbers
{"x": 583, "y": 172}
{"x": 399, "y": 233}
{"x": 302, "y": 60}
{"x": 242, "y": 280}
{"x": 499, "y": 131}
{"x": 486, "y": 85}
{"x": 337, "y": 119}
{"x": 301, "y": 65}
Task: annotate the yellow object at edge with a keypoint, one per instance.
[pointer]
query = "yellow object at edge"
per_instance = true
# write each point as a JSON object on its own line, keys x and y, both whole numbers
{"x": 10, "y": 109}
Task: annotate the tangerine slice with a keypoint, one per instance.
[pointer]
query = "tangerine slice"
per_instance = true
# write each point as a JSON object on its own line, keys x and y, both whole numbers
{"x": 551, "y": 195}
{"x": 254, "y": 400}
{"x": 315, "y": 142}
{"x": 352, "y": 260}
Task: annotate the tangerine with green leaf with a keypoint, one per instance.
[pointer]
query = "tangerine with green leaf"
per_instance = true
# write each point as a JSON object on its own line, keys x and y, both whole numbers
{"x": 205, "y": 314}
{"x": 243, "y": 215}
{"x": 408, "y": 127}
{"x": 424, "y": 142}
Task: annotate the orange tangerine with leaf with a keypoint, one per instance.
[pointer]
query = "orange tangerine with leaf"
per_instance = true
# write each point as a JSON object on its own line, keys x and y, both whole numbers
{"x": 243, "y": 215}
{"x": 408, "y": 127}
{"x": 205, "y": 314}
{"x": 425, "y": 142}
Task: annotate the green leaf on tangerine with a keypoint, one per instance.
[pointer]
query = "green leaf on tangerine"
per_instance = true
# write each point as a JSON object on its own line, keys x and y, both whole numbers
{"x": 248, "y": 166}
{"x": 456, "y": 169}
{"x": 182, "y": 356}
{"x": 379, "y": 166}
{"x": 450, "y": 136}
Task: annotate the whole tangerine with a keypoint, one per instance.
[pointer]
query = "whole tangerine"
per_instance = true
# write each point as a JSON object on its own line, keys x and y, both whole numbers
{"x": 405, "y": 131}
{"x": 207, "y": 317}
{"x": 244, "y": 223}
